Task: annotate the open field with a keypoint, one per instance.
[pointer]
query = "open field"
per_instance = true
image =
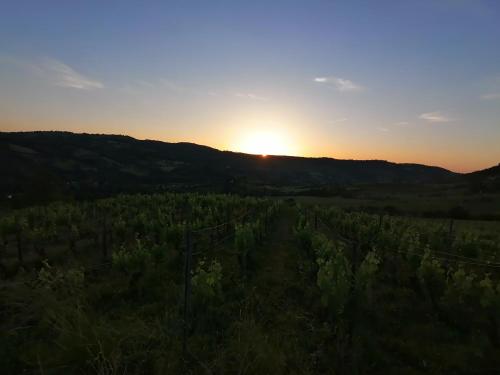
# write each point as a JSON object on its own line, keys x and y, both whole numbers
{"x": 430, "y": 201}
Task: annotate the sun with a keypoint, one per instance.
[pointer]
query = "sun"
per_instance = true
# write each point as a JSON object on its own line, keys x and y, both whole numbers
{"x": 264, "y": 143}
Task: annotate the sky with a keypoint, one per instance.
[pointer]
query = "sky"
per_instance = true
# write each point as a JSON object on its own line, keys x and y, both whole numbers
{"x": 401, "y": 80}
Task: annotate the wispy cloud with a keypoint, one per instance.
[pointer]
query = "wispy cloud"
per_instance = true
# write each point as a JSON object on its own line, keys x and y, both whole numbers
{"x": 340, "y": 84}
{"x": 143, "y": 87}
{"x": 402, "y": 123}
{"x": 492, "y": 96}
{"x": 54, "y": 72}
{"x": 160, "y": 85}
{"x": 382, "y": 129}
{"x": 250, "y": 96}
{"x": 435, "y": 117}
{"x": 181, "y": 88}
{"x": 63, "y": 75}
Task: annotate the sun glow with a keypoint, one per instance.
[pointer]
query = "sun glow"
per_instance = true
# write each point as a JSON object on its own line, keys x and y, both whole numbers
{"x": 265, "y": 143}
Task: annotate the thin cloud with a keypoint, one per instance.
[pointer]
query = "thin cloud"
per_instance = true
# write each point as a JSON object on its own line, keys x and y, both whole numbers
{"x": 63, "y": 75}
{"x": 435, "y": 117}
{"x": 340, "y": 84}
{"x": 381, "y": 129}
{"x": 55, "y": 72}
{"x": 402, "y": 123}
{"x": 250, "y": 96}
{"x": 493, "y": 96}
{"x": 148, "y": 87}
{"x": 144, "y": 87}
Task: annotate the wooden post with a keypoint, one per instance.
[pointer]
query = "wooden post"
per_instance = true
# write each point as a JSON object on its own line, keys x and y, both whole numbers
{"x": 315, "y": 220}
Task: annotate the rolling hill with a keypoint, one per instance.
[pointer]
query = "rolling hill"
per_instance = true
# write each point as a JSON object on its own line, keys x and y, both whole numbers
{"x": 44, "y": 165}
{"x": 486, "y": 179}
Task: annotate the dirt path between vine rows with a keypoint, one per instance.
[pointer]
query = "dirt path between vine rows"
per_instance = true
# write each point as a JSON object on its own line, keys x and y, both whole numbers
{"x": 284, "y": 292}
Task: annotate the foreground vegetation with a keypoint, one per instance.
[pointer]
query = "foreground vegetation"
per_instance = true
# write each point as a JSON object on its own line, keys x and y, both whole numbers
{"x": 188, "y": 283}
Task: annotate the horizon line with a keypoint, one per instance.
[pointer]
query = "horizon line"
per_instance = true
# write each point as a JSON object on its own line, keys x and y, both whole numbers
{"x": 246, "y": 153}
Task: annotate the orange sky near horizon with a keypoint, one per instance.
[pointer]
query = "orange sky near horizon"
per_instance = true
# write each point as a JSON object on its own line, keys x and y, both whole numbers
{"x": 297, "y": 145}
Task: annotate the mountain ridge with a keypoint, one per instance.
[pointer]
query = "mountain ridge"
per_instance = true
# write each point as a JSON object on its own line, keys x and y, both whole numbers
{"x": 230, "y": 151}
{"x": 102, "y": 164}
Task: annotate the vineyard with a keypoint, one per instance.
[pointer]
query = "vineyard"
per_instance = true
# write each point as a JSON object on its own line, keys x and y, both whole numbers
{"x": 193, "y": 283}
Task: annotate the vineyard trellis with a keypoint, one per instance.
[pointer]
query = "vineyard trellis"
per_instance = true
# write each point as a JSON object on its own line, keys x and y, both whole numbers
{"x": 125, "y": 226}
{"x": 350, "y": 250}
{"x": 242, "y": 229}
{"x": 191, "y": 277}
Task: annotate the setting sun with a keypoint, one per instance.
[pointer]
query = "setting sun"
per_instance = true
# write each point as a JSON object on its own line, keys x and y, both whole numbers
{"x": 265, "y": 143}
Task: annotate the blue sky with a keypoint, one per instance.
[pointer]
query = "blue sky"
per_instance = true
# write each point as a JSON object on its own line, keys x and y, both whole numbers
{"x": 407, "y": 81}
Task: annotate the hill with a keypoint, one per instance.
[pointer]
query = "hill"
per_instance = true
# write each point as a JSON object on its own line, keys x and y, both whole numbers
{"x": 44, "y": 165}
{"x": 485, "y": 180}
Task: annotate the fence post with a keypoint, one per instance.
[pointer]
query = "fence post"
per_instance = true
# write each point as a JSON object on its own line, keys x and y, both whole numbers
{"x": 187, "y": 287}
{"x": 315, "y": 220}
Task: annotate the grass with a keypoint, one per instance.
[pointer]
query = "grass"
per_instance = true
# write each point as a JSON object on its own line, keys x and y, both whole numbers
{"x": 424, "y": 200}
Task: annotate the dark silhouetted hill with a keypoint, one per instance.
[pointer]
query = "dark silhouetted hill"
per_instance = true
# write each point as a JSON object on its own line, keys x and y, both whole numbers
{"x": 45, "y": 165}
{"x": 486, "y": 180}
